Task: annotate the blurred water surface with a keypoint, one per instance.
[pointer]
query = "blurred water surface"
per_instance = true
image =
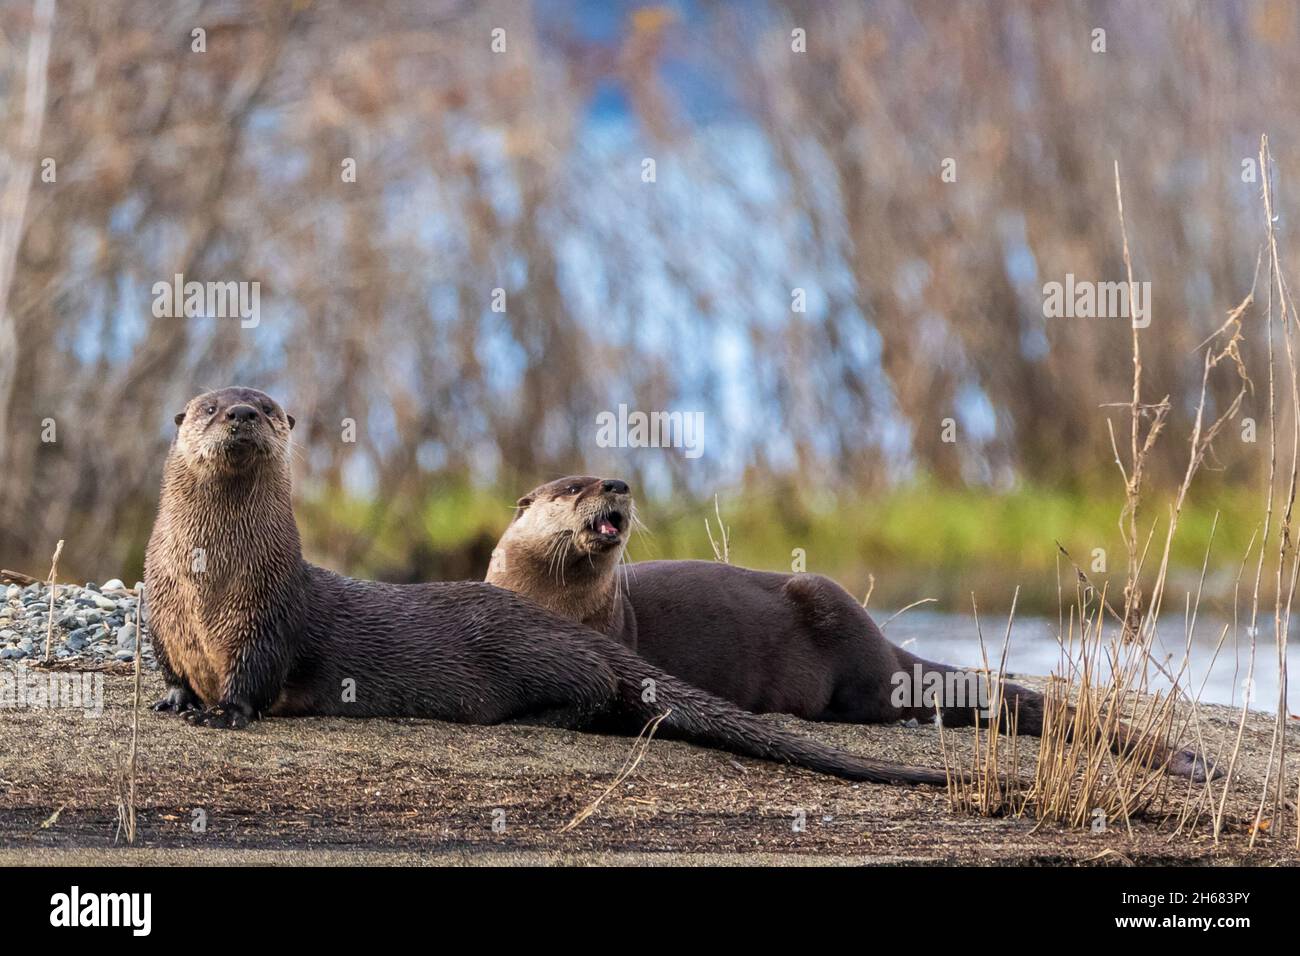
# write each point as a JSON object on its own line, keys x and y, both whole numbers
{"x": 1034, "y": 649}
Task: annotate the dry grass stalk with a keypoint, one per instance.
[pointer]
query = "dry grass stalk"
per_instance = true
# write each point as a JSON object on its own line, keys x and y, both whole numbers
{"x": 135, "y": 731}
{"x": 1219, "y": 812}
{"x": 1077, "y": 773}
{"x": 1281, "y": 612}
{"x": 1189, "y": 815}
{"x": 49, "y": 630}
{"x": 640, "y": 747}
{"x": 871, "y": 587}
{"x": 902, "y": 610}
{"x": 991, "y": 786}
{"x": 1139, "y": 447}
{"x": 126, "y": 776}
{"x": 1080, "y": 771}
{"x": 123, "y": 798}
{"x": 1189, "y": 812}
{"x": 721, "y": 550}
{"x": 1124, "y": 784}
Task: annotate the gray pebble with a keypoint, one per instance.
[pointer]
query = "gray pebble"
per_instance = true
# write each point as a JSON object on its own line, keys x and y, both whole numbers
{"x": 91, "y": 624}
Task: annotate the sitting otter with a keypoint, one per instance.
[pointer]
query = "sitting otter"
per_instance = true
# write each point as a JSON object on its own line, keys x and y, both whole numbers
{"x": 769, "y": 642}
{"x": 243, "y": 626}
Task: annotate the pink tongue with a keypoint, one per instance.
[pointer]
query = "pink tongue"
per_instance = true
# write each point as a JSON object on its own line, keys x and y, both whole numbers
{"x": 607, "y": 528}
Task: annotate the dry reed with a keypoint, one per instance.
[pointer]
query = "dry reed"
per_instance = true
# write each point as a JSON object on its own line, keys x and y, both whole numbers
{"x": 1089, "y": 769}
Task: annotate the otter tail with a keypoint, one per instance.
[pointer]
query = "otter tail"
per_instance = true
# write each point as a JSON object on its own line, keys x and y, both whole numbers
{"x": 1028, "y": 708}
{"x": 646, "y": 693}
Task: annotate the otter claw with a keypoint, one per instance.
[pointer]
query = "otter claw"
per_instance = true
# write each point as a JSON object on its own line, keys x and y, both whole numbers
{"x": 175, "y": 701}
{"x": 225, "y": 718}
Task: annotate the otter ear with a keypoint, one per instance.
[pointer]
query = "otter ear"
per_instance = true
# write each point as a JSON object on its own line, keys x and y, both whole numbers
{"x": 522, "y": 504}
{"x": 291, "y": 420}
{"x": 180, "y": 417}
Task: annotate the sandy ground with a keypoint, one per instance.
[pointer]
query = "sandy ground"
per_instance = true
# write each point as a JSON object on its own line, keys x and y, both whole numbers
{"x": 337, "y": 791}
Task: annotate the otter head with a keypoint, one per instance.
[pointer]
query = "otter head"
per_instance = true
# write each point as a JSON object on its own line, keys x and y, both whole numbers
{"x": 591, "y": 515}
{"x": 231, "y": 430}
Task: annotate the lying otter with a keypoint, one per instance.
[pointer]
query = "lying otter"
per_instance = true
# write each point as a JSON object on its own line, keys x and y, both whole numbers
{"x": 243, "y": 626}
{"x": 769, "y": 642}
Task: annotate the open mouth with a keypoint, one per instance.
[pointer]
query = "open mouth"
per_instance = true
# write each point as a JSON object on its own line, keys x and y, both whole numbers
{"x": 608, "y": 526}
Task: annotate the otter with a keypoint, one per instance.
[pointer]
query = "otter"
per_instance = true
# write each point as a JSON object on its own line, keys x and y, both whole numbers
{"x": 793, "y": 643}
{"x": 243, "y": 627}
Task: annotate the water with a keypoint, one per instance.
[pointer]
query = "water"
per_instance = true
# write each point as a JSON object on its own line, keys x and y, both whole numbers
{"x": 952, "y": 639}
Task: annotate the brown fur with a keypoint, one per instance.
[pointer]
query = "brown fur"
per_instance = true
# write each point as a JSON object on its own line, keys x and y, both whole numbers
{"x": 767, "y": 641}
{"x": 557, "y": 558}
{"x": 243, "y": 626}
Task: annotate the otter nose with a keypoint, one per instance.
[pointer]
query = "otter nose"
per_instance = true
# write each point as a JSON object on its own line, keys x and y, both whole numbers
{"x": 241, "y": 413}
{"x": 614, "y": 485}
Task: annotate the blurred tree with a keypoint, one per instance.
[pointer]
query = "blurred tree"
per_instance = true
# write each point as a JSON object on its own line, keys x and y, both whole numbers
{"x": 459, "y": 252}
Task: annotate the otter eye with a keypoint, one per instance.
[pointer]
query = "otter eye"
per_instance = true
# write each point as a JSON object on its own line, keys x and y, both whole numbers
{"x": 209, "y": 409}
{"x": 266, "y": 407}
{"x": 572, "y": 489}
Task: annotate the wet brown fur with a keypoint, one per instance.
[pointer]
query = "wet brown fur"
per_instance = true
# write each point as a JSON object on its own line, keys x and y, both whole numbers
{"x": 766, "y": 641}
{"x": 244, "y": 627}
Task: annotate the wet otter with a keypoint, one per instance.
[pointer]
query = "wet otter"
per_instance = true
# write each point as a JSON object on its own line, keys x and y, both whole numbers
{"x": 769, "y": 642}
{"x": 243, "y": 626}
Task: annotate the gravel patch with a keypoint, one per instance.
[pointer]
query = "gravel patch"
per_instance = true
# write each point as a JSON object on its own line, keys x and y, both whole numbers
{"x": 93, "y": 623}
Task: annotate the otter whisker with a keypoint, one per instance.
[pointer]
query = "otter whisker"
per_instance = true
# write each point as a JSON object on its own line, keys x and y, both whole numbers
{"x": 559, "y": 555}
{"x": 641, "y": 528}
{"x": 552, "y": 549}
{"x": 563, "y": 552}
{"x": 638, "y": 523}
{"x": 618, "y": 578}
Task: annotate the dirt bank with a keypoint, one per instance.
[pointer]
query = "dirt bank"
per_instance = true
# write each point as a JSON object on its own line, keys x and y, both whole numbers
{"x": 410, "y": 791}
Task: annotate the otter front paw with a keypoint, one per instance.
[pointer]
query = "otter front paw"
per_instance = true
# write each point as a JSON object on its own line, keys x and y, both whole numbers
{"x": 222, "y": 716}
{"x": 177, "y": 700}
